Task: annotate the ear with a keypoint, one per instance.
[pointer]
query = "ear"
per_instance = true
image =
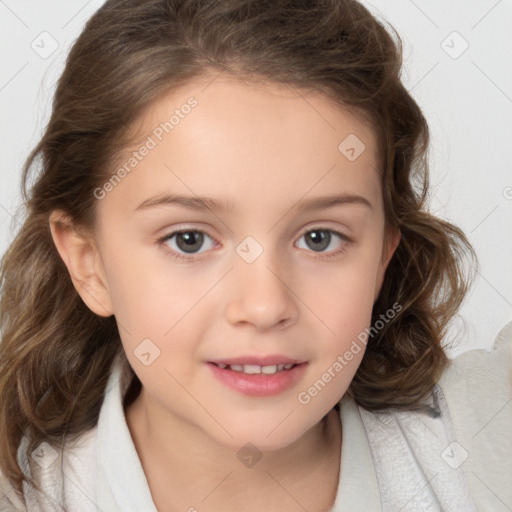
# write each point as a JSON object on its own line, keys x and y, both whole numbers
{"x": 391, "y": 241}
{"x": 80, "y": 255}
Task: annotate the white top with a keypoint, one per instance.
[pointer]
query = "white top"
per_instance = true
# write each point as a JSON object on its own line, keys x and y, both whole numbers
{"x": 459, "y": 460}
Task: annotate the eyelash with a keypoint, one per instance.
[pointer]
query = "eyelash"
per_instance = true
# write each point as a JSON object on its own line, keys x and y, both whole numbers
{"x": 180, "y": 256}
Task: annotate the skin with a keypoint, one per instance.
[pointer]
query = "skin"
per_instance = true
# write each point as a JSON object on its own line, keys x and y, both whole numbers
{"x": 264, "y": 148}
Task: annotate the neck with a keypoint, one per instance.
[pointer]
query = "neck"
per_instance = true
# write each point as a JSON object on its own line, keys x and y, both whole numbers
{"x": 189, "y": 463}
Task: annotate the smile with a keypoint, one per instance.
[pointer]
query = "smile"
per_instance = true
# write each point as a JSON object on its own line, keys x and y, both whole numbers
{"x": 252, "y": 369}
{"x": 258, "y": 381}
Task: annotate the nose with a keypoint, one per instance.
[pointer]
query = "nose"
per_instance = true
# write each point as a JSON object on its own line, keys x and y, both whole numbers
{"x": 260, "y": 295}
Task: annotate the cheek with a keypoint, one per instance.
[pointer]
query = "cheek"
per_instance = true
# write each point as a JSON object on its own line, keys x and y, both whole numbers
{"x": 157, "y": 300}
{"x": 345, "y": 299}
{"x": 345, "y": 314}
{"x": 345, "y": 309}
{"x": 144, "y": 287}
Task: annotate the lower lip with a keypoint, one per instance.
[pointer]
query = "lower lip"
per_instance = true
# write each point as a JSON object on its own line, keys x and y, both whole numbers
{"x": 259, "y": 384}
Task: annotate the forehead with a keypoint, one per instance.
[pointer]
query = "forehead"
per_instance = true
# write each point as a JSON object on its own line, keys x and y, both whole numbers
{"x": 248, "y": 103}
{"x": 236, "y": 139}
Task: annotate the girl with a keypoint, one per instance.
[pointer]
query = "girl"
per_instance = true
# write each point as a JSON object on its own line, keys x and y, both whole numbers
{"x": 227, "y": 293}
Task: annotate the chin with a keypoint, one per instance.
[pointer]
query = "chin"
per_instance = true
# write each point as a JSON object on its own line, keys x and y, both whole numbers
{"x": 270, "y": 436}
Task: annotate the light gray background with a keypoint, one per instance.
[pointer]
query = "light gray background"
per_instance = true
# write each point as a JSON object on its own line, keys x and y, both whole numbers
{"x": 465, "y": 95}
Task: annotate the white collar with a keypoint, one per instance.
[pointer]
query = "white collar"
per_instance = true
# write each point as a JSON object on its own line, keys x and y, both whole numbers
{"x": 120, "y": 480}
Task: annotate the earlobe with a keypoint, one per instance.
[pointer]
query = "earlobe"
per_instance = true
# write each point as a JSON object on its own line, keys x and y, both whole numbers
{"x": 80, "y": 255}
{"x": 391, "y": 243}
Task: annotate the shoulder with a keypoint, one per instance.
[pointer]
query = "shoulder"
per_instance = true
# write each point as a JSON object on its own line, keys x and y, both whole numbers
{"x": 481, "y": 374}
{"x": 477, "y": 387}
{"x": 66, "y": 474}
{"x": 464, "y": 440}
{"x": 9, "y": 501}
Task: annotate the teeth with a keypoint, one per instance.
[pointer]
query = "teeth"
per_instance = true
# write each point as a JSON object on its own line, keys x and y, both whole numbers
{"x": 251, "y": 369}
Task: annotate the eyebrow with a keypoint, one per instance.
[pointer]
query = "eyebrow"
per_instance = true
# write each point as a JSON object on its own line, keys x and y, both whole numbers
{"x": 207, "y": 203}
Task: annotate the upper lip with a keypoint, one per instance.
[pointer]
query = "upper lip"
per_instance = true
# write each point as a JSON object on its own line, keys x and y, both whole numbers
{"x": 258, "y": 360}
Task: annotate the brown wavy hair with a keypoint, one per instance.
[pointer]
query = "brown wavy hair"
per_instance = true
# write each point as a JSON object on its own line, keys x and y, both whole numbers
{"x": 56, "y": 354}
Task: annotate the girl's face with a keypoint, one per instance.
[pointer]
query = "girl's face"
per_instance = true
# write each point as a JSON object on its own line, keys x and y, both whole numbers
{"x": 244, "y": 279}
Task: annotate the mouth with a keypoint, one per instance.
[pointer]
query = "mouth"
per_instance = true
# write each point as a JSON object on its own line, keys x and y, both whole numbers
{"x": 259, "y": 380}
{"x": 253, "y": 369}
